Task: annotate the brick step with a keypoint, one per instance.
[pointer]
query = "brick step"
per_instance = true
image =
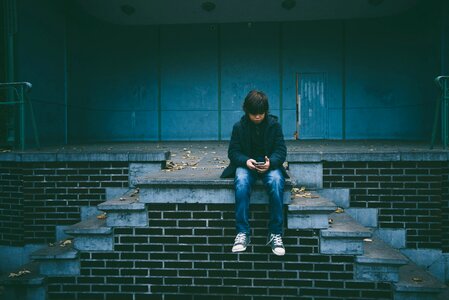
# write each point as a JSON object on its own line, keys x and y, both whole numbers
{"x": 126, "y": 211}
{"x": 32, "y": 286}
{"x": 310, "y": 213}
{"x": 58, "y": 260}
{"x": 344, "y": 236}
{"x": 379, "y": 262}
{"x": 91, "y": 235}
{"x": 199, "y": 186}
{"x": 416, "y": 283}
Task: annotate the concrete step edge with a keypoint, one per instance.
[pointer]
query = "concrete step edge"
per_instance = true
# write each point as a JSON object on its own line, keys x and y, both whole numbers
{"x": 343, "y": 226}
{"x": 413, "y": 278}
{"x": 91, "y": 226}
{"x": 311, "y": 205}
{"x": 32, "y": 279}
{"x": 59, "y": 251}
{"x": 378, "y": 252}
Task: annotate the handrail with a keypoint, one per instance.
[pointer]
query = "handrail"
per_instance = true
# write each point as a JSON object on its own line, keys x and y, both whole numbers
{"x": 18, "y": 93}
{"x": 438, "y": 80}
{"x": 7, "y": 84}
{"x": 442, "y": 111}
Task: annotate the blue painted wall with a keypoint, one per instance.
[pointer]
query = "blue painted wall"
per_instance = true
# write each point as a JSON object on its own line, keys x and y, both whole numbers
{"x": 40, "y": 59}
{"x": 187, "y": 82}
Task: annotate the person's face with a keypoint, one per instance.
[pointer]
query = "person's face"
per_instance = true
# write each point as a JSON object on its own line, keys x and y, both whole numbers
{"x": 257, "y": 118}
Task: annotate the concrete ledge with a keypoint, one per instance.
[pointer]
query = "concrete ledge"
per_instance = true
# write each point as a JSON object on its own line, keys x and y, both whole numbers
{"x": 128, "y": 204}
{"x": 366, "y": 216}
{"x": 156, "y": 156}
{"x": 426, "y": 285}
{"x": 33, "y": 278}
{"x": 312, "y": 205}
{"x": 339, "y": 196}
{"x": 91, "y": 226}
{"x": 344, "y": 226}
{"x": 309, "y": 213}
{"x": 56, "y": 252}
{"x": 368, "y": 156}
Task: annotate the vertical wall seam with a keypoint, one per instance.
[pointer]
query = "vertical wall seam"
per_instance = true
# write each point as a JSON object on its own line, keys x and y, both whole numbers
{"x": 343, "y": 79}
{"x": 219, "y": 79}
{"x": 159, "y": 85}
{"x": 281, "y": 73}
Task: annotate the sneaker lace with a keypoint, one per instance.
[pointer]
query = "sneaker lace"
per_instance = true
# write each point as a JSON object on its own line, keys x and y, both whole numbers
{"x": 240, "y": 238}
{"x": 276, "y": 239}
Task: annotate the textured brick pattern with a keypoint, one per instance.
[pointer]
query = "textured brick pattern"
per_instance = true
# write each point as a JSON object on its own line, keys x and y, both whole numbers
{"x": 36, "y": 197}
{"x": 445, "y": 209}
{"x": 186, "y": 254}
{"x": 11, "y": 204}
{"x": 54, "y": 192}
{"x": 407, "y": 194}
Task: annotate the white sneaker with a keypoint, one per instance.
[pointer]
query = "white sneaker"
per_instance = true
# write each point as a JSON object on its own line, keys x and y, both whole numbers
{"x": 277, "y": 246}
{"x": 241, "y": 242}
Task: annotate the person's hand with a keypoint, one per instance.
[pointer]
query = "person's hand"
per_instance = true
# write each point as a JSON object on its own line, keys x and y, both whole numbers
{"x": 265, "y": 167}
{"x": 250, "y": 164}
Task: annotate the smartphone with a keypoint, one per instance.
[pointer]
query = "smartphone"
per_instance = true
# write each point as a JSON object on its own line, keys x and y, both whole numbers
{"x": 259, "y": 163}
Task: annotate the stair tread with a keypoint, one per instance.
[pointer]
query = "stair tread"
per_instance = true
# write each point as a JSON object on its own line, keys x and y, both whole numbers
{"x": 319, "y": 204}
{"x": 56, "y": 252}
{"x": 33, "y": 278}
{"x": 124, "y": 203}
{"x": 92, "y": 226}
{"x": 378, "y": 252}
{"x": 413, "y": 278}
{"x": 344, "y": 226}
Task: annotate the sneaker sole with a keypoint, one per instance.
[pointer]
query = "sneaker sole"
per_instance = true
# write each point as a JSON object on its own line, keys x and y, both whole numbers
{"x": 277, "y": 253}
{"x": 236, "y": 251}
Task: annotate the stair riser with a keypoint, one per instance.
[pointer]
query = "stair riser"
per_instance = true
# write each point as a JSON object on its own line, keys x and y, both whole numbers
{"x": 127, "y": 219}
{"x": 414, "y": 296}
{"x": 313, "y": 221}
{"x": 94, "y": 243}
{"x": 371, "y": 272}
{"x": 20, "y": 292}
{"x": 60, "y": 268}
{"x": 200, "y": 195}
{"x": 341, "y": 246}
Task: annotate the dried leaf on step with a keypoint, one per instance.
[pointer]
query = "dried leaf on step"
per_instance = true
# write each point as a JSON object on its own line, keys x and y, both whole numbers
{"x": 102, "y": 216}
{"x": 331, "y": 221}
{"x": 20, "y": 273}
{"x": 367, "y": 240}
{"x": 417, "y": 279}
{"x": 122, "y": 199}
{"x": 339, "y": 210}
{"x": 65, "y": 243}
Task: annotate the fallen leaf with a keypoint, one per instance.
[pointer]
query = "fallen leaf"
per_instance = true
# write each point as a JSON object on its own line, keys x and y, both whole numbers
{"x": 331, "y": 221}
{"x": 417, "y": 279}
{"x": 102, "y": 216}
{"x": 20, "y": 273}
{"x": 339, "y": 210}
{"x": 367, "y": 240}
{"x": 65, "y": 243}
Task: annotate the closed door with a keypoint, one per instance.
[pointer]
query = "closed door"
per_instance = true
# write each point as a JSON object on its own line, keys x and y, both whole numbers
{"x": 311, "y": 107}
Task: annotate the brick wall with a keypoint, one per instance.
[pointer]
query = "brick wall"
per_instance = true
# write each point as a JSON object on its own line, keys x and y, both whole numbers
{"x": 36, "y": 197}
{"x": 11, "y": 204}
{"x": 186, "y": 254}
{"x": 407, "y": 194}
{"x": 445, "y": 209}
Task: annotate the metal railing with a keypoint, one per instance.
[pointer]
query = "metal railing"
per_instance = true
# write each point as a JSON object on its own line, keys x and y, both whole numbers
{"x": 16, "y": 96}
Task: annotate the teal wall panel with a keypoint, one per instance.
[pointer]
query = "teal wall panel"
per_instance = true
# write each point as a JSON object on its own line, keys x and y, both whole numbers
{"x": 313, "y": 47}
{"x": 189, "y": 84}
{"x": 113, "y": 82}
{"x": 250, "y": 60}
{"x": 40, "y": 59}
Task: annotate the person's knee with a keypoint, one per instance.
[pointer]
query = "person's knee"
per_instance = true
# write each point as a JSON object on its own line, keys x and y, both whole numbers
{"x": 241, "y": 179}
{"x": 275, "y": 178}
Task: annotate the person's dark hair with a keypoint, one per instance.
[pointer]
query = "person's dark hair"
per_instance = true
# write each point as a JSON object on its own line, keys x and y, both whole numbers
{"x": 256, "y": 102}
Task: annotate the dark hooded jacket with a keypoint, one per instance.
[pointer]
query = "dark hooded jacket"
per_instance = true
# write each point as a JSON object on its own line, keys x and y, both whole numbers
{"x": 239, "y": 150}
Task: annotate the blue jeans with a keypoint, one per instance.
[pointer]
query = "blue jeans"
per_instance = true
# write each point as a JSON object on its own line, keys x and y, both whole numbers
{"x": 273, "y": 180}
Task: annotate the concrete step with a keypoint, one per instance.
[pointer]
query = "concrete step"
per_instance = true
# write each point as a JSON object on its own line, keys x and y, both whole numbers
{"x": 199, "y": 186}
{"x": 415, "y": 284}
{"x": 379, "y": 262}
{"x": 309, "y": 213}
{"x": 126, "y": 211}
{"x": 29, "y": 286}
{"x": 92, "y": 235}
{"x": 344, "y": 236}
{"x": 340, "y": 196}
{"x": 60, "y": 259}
